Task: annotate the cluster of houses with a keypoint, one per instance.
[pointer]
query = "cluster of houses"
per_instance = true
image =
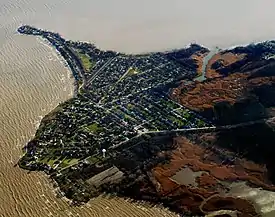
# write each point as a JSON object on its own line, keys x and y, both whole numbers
{"x": 122, "y": 98}
{"x": 154, "y": 111}
{"x": 83, "y": 128}
{"x": 127, "y": 75}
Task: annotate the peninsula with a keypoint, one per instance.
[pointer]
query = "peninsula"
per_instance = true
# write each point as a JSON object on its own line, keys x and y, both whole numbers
{"x": 145, "y": 127}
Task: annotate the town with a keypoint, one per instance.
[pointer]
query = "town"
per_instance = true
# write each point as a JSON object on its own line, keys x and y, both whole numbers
{"x": 178, "y": 128}
{"x": 119, "y": 100}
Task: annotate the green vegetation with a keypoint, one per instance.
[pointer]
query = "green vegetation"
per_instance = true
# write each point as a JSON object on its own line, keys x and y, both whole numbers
{"x": 132, "y": 71}
{"x": 51, "y": 160}
{"x": 187, "y": 115}
{"x": 178, "y": 121}
{"x": 169, "y": 104}
{"x": 127, "y": 117}
{"x": 271, "y": 57}
{"x": 92, "y": 159}
{"x": 47, "y": 123}
{"x": 44, "y": 160}
{"x": 201, "y": 123}
{"x": 130, "y": 106}
{"x": 86, "y": 62}
{"x": 68, "y": 162}
{"x": 94, "y": 128}
{"x": 183, "y": 113}
{"x": 80, "y": 82}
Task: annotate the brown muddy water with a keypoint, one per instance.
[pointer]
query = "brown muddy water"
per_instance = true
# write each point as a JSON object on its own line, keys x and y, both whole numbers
{"x": 34, "y": 80}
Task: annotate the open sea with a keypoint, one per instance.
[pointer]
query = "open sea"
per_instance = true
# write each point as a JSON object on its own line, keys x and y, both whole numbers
{"x": 34, "y": 80}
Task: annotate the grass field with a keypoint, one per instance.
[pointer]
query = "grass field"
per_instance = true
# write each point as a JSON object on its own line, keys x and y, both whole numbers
{"x": 201, "y": 123}
{"x": 93, "y": 159}
{"x": 94, "y": 128}
{"x": 87, "y": 64}
{"x": 68, "y": 161}
{"x": 49, "y": 160}
{"x": 178, "y": 121}
{"x": 132, "y": 71}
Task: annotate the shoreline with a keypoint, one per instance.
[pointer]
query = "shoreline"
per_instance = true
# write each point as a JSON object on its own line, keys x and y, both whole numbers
{"x": 71, "y": 71}
{"x": 59, "y": 57}
{"x": 70, "y": 56}
{"x": 75, "y": 72}
{"x": 164, "y": 50}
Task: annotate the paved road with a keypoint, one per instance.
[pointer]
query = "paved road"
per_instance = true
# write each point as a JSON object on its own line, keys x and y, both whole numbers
{"x": 246, "y": 123}
{"x": 226, "y": 127}
{"x": 180, "y": 130}
{"x": 164, "y": 131}
{"x": 100, "y": 69}
{"x": 213, "y": 128}
{"x": 73, "y": 164}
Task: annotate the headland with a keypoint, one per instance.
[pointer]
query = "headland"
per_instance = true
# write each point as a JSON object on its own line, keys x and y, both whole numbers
{"x": 142, "y": 126}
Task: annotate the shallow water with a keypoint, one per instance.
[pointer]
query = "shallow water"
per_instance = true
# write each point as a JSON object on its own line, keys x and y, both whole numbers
{"x": 33, "y": 80}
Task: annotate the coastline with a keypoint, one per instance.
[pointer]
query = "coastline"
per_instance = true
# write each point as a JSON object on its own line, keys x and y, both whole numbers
{"x": 245, "y": 44}
{"x": 77, "y": 78}
{"x": 65, "y": 62}
{"x": 71, "y": 72}
{"x": 59, "y": 57}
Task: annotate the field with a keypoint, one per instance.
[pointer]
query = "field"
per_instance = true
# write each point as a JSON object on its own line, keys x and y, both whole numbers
{"x": 94, "y": 128}
{"x": 86, "y": 62}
